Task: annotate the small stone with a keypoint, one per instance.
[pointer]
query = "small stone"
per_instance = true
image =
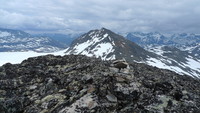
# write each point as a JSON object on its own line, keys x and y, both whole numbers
{"x": 91, "y": 89}
{"x": 87, "y": 79}
{"x": 112, "y": 69}
{"x": 91, "y": 104}
{"x": 111, "y": 98}
{"x": 32, "y": 87}
{"x": 120, "y": 79}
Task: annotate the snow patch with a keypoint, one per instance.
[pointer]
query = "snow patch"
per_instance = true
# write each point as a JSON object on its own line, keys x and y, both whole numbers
{"x": 80, "y": 47}
{"x": 4, "y": 34}
{"x": 101, "y": 50}
{"x": 194, "y": 64}
{"x": 105, "y": 35}
{"x": 156, "y": 62}
{"x": 18, "y": 57}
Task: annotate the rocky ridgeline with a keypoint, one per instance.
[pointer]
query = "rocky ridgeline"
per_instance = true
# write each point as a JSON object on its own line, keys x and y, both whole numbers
{"x": 76, "y": 83}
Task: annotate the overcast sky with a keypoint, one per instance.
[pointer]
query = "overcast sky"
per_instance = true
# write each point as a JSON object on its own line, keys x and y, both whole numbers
{"x": 64, "y": 16}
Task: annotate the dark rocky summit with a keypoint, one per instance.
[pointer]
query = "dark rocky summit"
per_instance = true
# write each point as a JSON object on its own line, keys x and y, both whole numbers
{"x": 79, "y": 84}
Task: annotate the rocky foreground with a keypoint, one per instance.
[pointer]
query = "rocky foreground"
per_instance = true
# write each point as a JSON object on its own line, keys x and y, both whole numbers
{"x": 79, "y": 84}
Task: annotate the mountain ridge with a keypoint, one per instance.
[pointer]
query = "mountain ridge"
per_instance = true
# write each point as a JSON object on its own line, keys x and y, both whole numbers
{"x": 16, "y": 40}
{"x": 97, "y": 39}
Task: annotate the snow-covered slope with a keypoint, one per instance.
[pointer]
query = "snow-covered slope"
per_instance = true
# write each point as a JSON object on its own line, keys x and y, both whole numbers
{"x": 176, "y": 60}
{"x": 15, "y": 40}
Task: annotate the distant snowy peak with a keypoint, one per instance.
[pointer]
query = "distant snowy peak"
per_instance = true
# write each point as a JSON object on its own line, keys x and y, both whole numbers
{"x": 15, "y": 40}
{"x": 94, "y": 43}
{"x": 107, "y": 45}
{"x": 144, "y": 39}
{"x": 13, "y": 33}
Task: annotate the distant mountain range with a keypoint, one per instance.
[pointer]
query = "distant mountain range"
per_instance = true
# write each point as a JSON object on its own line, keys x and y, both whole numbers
{"x": 65, "y": 39}
{"x": 107, "y": 45}
{"x": 16, "y": 40}
{"x": 185, "y": 41}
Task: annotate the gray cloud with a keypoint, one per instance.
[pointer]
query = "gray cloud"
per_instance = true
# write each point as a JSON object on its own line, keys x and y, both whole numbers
{"x": 119, "y": 15}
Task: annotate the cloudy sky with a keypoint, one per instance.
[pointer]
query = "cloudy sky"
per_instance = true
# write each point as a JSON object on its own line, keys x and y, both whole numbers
{"x": 64, "y": 16}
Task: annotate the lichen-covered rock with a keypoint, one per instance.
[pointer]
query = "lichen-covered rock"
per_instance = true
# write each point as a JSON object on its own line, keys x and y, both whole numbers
{"x": 76, "y": 83}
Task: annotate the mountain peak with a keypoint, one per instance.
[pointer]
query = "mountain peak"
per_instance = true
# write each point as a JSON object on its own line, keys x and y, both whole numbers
{"x": 107, "y": 45}
{"x": 104, "y": 29}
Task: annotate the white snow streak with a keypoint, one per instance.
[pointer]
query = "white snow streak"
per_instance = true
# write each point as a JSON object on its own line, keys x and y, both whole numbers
{"x": 103, "y": 50}
{"x": 105, "y": 35}
{"x": 194, "y": 64}
{"x": 160, "y": 63}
